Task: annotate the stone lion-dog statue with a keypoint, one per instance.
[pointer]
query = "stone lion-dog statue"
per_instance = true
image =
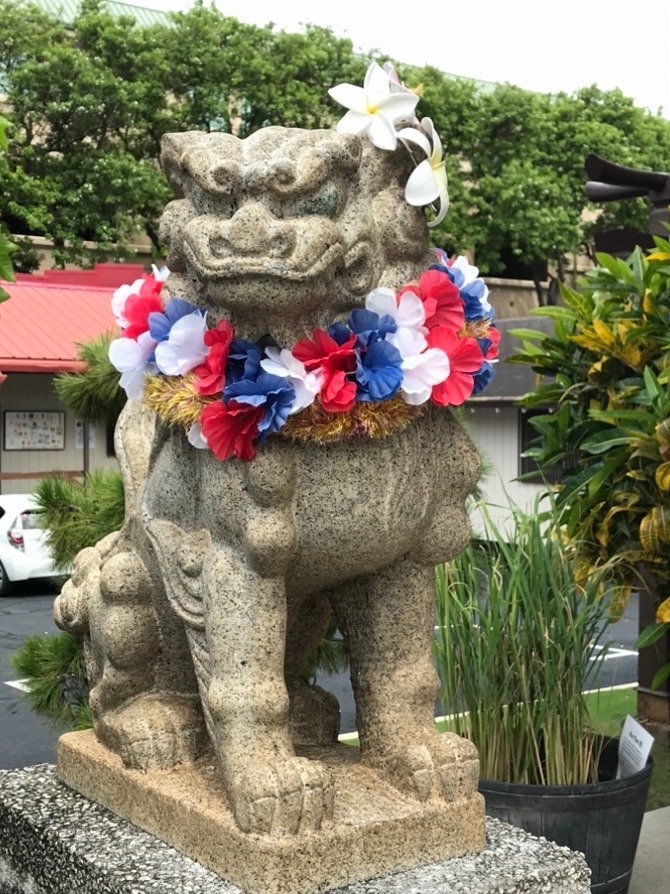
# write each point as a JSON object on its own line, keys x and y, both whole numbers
{"x": 199, "y": 615}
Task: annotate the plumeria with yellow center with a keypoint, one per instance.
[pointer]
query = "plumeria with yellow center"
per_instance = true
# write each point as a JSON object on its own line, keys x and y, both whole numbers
{"x": 428, "y": 182}
{"x": 374, "y": 108}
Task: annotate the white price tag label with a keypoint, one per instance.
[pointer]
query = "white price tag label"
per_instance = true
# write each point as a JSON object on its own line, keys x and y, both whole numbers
{"x": 634, "y": 747}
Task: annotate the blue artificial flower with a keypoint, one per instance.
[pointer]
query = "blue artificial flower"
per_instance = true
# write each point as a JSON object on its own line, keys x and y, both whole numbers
{"x": 484, "y": 345}
{"x": 161, "y": 323}
{"x": 455, "y": 274}
{"x": 378, "y": 372}
{"x": 274, "y": 393}
{"x": 476, "y": 306}
{"x": 482, "y": 377}
{"x": 244, "y": 361}
{"x": 369, "y": 326}
{"x": 340, "y": 332}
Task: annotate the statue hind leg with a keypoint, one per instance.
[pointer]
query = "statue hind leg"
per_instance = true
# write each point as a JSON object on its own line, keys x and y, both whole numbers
{"x": 143, "y": 705}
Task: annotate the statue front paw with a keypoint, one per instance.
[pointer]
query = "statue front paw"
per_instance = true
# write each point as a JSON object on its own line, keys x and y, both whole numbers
{"x": 284, "y": 798}
{"x": 443, "y": 766}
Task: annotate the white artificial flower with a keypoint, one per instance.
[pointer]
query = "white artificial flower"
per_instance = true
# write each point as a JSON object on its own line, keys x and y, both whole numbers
{"x": 305, "y": 384}
{"x": 407, "y": 312}
{"x": 160, "y": 274}
{"x": 428, "y": 181}
{"x": 408, "y": 342}
{"x": 184, "y": 347}
{"x": 120, "y": 297}
{"x": 130, "y": 358}
{"x": 373, "y": 108}
{"x": 422, "y": 367}
{"x": 196, "y": 437}
{"x": 470, "y": 273}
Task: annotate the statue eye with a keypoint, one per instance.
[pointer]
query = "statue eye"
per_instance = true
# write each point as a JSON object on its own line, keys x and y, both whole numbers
{"x": 206, "y": 203}
{"x": 324, "y": 204}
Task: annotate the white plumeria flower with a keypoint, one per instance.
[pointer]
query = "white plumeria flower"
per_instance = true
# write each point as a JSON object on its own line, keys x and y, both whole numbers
{"x": 305, "y": 384}
{"x": 130, "y": 358}
{"x": 119, "y": 299}
{"x": 407, "y": 312}
{"x": 373, "y": 108}
{"x": 185, "y": 346}
{"x": 428, "y": 181}
{"x": 422, "y": 367}
{"x": 196, "y": 437}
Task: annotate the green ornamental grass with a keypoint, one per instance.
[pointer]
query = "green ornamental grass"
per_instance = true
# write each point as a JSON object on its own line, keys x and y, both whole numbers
{"x": 516, "y": 640}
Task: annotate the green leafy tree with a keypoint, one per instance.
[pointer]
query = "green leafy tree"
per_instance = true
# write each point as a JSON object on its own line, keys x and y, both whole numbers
{"x": 6, "y": 245}
{"x": 83, "y": 108}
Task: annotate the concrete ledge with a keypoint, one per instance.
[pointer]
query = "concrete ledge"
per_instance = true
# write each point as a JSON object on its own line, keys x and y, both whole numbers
{"x": 55, "y": 841}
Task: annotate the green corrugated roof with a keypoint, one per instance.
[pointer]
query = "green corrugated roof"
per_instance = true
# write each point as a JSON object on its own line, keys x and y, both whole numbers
{"x": 66, "y": 11}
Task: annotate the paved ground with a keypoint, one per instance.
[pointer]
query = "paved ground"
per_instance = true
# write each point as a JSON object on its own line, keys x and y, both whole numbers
{"x": 650, "y": 872}
{"x": 26, "y": 740}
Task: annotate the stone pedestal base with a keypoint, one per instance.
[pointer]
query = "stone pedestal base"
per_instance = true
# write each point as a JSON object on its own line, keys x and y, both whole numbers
{"x": 55, "y": 841}
{"x": 375, "y": 829}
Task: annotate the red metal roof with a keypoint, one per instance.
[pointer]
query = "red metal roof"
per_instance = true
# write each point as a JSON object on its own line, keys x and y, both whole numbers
{"x": 42, "y": 323}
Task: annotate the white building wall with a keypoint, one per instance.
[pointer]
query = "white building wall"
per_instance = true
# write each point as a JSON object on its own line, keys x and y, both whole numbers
{"x": 495, "y": 431}
{"x": 26, "y": 392}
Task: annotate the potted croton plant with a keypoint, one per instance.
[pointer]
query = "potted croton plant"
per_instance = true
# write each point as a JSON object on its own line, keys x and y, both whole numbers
{"x": 603, "y": 412}
{"x": 519, "y": 641}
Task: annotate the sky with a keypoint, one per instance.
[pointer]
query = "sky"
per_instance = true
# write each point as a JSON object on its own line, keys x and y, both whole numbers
{"x": 547, "y": 47}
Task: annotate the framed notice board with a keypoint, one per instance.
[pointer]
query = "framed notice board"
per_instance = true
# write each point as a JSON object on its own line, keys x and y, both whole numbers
{"x": 34, "y": 430}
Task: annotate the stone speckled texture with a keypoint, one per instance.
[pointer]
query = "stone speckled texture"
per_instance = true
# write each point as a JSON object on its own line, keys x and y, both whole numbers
{"x": 200, "y": 614}
{"x": 55, "y": 841}
{"x": 376, "y": 827}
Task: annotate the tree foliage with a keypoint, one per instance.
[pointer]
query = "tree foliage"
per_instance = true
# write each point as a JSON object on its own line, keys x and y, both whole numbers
{"x": 89, "y": 110}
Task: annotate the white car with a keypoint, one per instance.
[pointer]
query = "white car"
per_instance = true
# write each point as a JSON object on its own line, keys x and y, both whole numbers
{"x": 24, "y": 554}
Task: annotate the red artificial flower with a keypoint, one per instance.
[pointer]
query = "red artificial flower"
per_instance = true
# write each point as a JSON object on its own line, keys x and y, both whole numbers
{"x": 212, "y": 373}
{"x": 441, "y": 299}
{"x": 338, "y": 394}
{"x": 334, "y": 361}
{"x": 322, "y": 350}
{"x": 465, "y": 359}
{"x": 493, "y": 336}
{"x": 137, "y": 310}
{"x": 151, "y": 287}
{"x": 230, "y": 429}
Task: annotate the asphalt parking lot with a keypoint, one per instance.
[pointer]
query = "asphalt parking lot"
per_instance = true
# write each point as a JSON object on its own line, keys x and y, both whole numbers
{"x": 26, "y": 739}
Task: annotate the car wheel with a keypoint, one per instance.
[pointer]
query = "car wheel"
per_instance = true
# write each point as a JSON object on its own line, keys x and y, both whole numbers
{"x": 5, "y": 583}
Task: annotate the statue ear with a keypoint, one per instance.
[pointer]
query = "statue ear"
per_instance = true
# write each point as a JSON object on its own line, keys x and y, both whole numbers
{"x": 174, "y": 147}
{"x": 181, "y": 555}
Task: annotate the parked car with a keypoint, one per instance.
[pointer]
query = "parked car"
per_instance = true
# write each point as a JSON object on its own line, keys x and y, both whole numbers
{"x": 24, "y": 554}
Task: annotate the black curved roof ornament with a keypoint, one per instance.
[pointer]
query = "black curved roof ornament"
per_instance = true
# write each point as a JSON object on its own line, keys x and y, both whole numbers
{"x": 609, "y": 182}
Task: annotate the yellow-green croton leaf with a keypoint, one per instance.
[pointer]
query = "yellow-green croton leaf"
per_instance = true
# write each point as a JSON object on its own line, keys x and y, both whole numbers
{"x": 655, "y": 529}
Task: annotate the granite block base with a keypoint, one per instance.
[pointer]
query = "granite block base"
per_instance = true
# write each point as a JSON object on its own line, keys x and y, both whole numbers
{"x": 56, "y": 841}
{"x": 374, "y": 830}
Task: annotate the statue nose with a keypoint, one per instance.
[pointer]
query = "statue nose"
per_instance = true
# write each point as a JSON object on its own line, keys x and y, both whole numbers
{"x": 253, "y": 231}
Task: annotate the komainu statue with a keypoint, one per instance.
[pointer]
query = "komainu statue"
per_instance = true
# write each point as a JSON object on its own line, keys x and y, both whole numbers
{"x": 289, "y": 452}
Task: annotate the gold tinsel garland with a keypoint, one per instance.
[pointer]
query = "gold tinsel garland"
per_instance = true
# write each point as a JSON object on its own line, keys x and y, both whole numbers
{"x": 176, "y": 401}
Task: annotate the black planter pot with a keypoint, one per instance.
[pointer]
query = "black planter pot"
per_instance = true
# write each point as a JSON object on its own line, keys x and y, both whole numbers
{"x": 601, "y": 820}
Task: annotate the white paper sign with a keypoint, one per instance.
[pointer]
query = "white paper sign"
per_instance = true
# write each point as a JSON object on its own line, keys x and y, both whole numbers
{"x": 634, "y": 747}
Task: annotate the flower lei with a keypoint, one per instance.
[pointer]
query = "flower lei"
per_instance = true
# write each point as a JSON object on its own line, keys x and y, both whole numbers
{"x": 432, "y": 341}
